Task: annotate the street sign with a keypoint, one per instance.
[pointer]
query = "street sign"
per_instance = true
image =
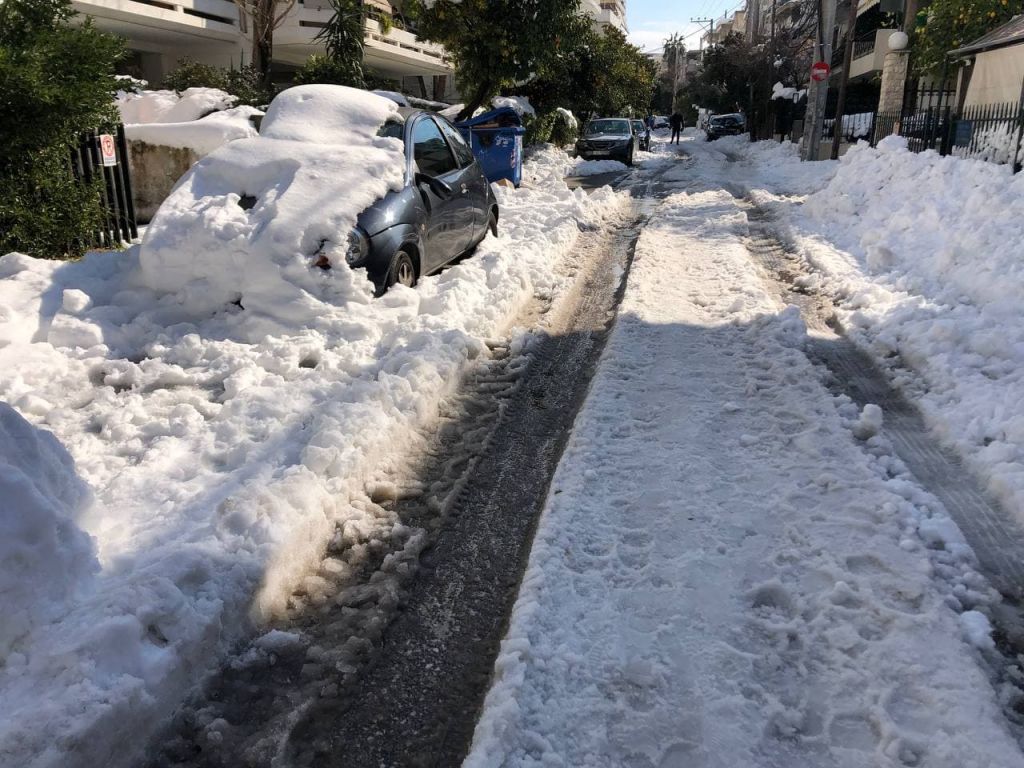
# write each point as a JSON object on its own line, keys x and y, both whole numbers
{"x": 107, "y": 149}
{"x": 820, "y": 71}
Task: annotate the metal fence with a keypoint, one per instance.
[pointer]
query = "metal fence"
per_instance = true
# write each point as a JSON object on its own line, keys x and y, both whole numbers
{"x": 106, "y": 156}
{"x": 990, "y": 132}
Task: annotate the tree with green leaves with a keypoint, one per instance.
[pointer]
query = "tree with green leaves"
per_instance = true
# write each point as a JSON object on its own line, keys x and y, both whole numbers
{"x": 56, "y": 81}
{"x": 596, "y": 73}
{"x": 950, "y": 24}
{"x": 496, "y": 44}
{"x": 674, "y": 56}
{"x": 342, "y": 64}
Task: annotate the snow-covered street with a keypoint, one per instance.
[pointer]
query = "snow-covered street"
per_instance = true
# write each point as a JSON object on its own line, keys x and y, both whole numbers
{"x": 290, "y": 532}
{"x": 733, "y": 569}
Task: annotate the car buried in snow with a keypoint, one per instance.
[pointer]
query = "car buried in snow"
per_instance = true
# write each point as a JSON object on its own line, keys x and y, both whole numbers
{"x": 337, "y": 177}
{"x": 608, "y": 138}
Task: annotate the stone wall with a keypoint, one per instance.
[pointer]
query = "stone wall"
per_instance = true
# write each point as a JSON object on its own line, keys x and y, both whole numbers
{"x": 155, "y": 170}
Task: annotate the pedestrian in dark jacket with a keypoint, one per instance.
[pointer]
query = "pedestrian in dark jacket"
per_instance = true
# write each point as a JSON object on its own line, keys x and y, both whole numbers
{"x": 676, "y": 122}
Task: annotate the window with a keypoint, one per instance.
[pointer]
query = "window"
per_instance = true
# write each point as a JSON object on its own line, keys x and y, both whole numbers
{"x": 462, "y": 150}
{"x": 431, "y": 153}
{"x": 392, "y": 129}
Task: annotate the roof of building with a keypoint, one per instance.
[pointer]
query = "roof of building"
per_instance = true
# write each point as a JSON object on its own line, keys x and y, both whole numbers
{"x": 1010, "y": 33}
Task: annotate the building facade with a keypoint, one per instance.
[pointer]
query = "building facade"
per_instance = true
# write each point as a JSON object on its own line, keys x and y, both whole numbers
{"x": 607, "y": 13}
{"x": 215, "y": 32}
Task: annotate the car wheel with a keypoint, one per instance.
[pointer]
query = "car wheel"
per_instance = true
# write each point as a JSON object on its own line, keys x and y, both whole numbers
{"x": 492, "y": 223}
{"x": 629, "y": 157}
{"x": 403, "y": 270}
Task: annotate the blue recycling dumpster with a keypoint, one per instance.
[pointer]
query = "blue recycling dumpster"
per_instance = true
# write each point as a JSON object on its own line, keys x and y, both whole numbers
{"x": 497, "y": 141}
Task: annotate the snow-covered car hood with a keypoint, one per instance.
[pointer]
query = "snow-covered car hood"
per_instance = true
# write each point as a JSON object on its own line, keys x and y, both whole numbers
{"x": 606, "y": 136}
{"x": 248, "y": 222}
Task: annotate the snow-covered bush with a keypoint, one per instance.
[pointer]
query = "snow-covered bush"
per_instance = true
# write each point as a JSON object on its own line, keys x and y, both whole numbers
{"x": 245, "y": 83}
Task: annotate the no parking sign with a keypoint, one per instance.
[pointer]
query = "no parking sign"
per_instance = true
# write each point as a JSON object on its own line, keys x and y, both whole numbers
{"x": 107, "y": 149}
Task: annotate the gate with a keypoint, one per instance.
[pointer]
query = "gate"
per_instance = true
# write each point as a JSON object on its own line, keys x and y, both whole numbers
{"x": 90, "y": 160}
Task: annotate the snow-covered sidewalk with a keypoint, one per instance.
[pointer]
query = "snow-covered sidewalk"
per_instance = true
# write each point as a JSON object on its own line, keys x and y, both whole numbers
{"x": 724, "y": 575}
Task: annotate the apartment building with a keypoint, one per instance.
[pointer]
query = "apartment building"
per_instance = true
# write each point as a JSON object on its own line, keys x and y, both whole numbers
{"x": 736, "y": 23}
{"x": 607, "y": 13}
{"x": 160, "y": 32}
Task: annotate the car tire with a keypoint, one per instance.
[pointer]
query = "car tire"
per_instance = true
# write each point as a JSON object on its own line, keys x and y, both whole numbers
{"x": 492, "y": 224}
{"x": 629, "y": 157}
{"x": 403, "y": 270}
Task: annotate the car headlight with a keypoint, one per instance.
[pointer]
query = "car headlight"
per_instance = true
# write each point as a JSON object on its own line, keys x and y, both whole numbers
{"x": 358, "y": 247}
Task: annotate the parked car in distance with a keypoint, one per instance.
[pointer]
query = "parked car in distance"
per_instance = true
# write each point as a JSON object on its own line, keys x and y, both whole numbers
{"x": 661, "y": 121}
{"x": 608, "y": 138}
{"x": 445, "y": 209}
{"x": 644, "y": 135}
{"x": 726, "y": 125}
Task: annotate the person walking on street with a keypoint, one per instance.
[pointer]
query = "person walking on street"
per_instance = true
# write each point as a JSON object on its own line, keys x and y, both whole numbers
{"x": 676, "y": 122}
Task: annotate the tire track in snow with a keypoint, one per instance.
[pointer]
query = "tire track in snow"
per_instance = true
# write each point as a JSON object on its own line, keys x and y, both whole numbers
{"x": 389, "y": 648}
{"x": 994, "y": 536}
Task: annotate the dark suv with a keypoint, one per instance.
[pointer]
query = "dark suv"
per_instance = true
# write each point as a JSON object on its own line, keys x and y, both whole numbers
{"x": 726, "y": 125}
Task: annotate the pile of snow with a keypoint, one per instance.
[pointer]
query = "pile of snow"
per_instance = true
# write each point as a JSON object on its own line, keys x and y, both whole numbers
{"x": 46, "y": 560}
{"x": 520, "y": 104}
{"x": 200, "y": 119}
{"x": 594, "y": 167}
{"x": 923, "y": 254}
{"x": 224, "y": 448}
{"x": 569, "y": 117}
{"x": 780, "y": 91}
{"x": 317, "y": 164}
{"x": 170, "y": 107}
{"x": 396, "y": 97}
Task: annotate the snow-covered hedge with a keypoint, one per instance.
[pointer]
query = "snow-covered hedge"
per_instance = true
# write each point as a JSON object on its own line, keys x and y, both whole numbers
{"x": 200, "y": 119}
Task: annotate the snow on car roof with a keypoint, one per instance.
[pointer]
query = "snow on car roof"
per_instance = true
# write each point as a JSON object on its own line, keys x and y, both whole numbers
{"x": 326, "y": 114}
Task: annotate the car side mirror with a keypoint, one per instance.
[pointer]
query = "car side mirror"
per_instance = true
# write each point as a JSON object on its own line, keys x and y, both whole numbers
{"x": 435, "y": 185}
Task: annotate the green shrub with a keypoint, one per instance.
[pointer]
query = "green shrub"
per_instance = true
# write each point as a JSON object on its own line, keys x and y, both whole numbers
{"x": 56, "y": 82}
{"x": 538, "y": 128}
{"x": 563, "y": 131}
{"x": 324, "y": 69}
{"x": 245, "y": 83}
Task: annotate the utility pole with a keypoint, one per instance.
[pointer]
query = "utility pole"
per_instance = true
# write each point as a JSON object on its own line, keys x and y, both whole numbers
{"x": 818, "y": 91}
{"x": 711, "y": 31}
{"x": 837, "y": 128}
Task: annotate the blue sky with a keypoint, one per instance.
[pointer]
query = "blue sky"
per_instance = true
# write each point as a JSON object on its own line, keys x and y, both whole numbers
{"x": 651, "y": 21}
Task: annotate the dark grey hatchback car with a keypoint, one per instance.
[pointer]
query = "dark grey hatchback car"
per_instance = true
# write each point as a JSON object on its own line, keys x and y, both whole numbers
{"x": 443, "y": 211}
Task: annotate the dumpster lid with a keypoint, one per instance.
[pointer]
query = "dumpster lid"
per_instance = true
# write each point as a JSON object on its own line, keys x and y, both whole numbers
{"x": 503, "y": 117}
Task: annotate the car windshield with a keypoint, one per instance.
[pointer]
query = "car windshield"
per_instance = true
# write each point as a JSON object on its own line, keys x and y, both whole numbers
{"x": 595, "y": 127}
{"x": 639, "y": 125}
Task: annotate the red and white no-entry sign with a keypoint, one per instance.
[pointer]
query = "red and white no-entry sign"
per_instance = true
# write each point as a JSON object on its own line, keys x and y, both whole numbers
{"x": 820, "y": 71}
{"x": 107, "y": 149}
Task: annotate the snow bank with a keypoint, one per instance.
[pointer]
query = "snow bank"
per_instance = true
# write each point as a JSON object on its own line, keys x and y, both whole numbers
{"x": 924, "y": 253}
{"x": 224, "y": 448}
{"x": 594, "y": 167}
{"x": 46, "y": 560}
{"x": 202, "y": 136}
{"x": 316, "y": 166}
{"x": 170, "y": 107}
{"x": 200, "y": 119}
